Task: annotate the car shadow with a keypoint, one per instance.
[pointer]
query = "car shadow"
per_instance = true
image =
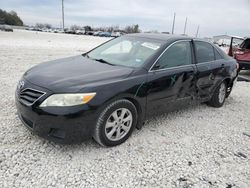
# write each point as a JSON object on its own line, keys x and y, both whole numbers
{"x": 244, "y": 75}
{"x": 172, "y": 114}
{"x": 150, "y": 124}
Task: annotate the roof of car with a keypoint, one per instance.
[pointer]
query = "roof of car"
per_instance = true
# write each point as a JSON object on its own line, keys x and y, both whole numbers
{"x": 159, "y": 36}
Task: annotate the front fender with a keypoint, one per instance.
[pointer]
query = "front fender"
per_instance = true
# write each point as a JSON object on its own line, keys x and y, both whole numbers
{"x": 132, "y": 88}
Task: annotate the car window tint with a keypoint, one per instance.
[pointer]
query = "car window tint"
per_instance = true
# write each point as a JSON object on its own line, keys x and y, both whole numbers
{"x": 246, "y": 44}
{"x": 126, "y": 51}
{"x": 217, "y": 54}
{"x": 177, "y": 55}
{"x": 204, "y": 52}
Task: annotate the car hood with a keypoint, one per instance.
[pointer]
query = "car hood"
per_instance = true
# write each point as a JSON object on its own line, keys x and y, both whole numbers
{"x": 73, "y": 74}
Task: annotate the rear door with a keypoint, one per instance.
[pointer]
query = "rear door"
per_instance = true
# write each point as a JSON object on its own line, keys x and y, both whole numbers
{"x": 244, "y": 53}
{"x": 210, "y": 68}
{"x": 171, "y": 79}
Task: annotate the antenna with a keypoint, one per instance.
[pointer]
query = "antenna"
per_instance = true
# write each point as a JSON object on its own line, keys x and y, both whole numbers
{"x": 185, "y": 27}
{"x": 197, "y": 32}
{"x": 63, "y": 15}
{"x": 173, "y": 24}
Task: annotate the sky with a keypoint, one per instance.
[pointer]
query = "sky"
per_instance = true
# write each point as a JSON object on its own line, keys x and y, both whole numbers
{"x": 215, "y": 17}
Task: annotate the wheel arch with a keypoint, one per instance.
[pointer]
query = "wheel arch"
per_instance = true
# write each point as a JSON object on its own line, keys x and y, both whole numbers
{"x": 140, "y": 111}
{"x": 229, "y": 83}
{"x": 139, "y": 102}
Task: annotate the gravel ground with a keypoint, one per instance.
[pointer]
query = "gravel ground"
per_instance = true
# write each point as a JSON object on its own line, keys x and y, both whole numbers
{"x": 195, "y": 147}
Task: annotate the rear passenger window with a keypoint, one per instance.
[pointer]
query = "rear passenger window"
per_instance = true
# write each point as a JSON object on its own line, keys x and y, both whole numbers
{"x": 204, "y": 52}
{"x": 217, "y": 54}
{"x": 177, "y": 55}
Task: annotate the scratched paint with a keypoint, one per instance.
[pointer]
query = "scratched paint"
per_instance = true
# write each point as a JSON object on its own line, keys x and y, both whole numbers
{"x": 139, "y": 88}
{"x": 173, "y": 78}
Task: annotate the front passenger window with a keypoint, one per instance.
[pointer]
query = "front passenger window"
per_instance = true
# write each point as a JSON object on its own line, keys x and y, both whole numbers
{"x": 177, "y": 55}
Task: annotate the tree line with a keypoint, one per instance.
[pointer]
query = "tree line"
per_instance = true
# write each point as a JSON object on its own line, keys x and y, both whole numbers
{"x": 127, "y": 29}
{"x": 10, "y": 18}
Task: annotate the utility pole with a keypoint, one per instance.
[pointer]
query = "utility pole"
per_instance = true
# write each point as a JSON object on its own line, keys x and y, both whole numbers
{"x": 197, "y": 32}
{"x": 63, "y": 15}
{"x": 185, "y": 26}
{"x": 173, "y": 24}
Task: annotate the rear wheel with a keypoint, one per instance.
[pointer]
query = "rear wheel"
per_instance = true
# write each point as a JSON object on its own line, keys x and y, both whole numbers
{"x": 219, "y": 96}
{"x": 116, "y": 123}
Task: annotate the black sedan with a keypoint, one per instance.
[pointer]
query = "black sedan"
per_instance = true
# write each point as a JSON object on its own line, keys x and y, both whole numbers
{"x": 106, "y": 93}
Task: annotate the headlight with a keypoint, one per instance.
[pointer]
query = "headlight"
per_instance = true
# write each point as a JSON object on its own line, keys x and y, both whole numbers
{"x": 70, "y": 99}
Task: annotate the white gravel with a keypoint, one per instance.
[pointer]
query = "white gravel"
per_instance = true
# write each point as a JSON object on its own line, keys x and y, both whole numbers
{"x": 195, "y": 147}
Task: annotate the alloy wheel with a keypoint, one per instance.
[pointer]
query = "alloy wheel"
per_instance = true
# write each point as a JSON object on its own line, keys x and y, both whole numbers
{"x": 118, "y": 124}
{"x": 222, "y": 93}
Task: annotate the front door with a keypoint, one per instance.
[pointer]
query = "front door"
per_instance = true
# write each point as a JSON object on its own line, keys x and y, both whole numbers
{"x": 171, "y": 81}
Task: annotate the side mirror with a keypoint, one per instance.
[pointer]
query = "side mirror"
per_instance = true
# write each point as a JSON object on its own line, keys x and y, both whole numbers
{"x": 156, "y": 66}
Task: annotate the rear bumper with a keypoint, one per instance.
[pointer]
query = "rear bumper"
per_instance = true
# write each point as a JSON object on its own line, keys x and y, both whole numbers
{"x": 68, "y": 125}
{"x": 244, "y": 65}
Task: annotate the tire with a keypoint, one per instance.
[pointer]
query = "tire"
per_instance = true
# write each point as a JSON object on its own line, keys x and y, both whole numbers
{"x": 219, "y": 96}
{"x": 115, "y": 123}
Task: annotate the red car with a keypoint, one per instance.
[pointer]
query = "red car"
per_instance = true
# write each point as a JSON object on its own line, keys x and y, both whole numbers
{"x": 241, "y": 53}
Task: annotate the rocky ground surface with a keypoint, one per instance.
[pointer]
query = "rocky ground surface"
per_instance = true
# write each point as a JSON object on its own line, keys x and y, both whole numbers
{"x": 195, "y": 147}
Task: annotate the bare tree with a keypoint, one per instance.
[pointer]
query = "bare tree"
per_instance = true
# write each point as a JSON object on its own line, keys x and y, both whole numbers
{"x": 132, "y": 29}
{"x": 75, "y": 27}
{"x": 43, "y": 26}
{"x": 87, "y": 28}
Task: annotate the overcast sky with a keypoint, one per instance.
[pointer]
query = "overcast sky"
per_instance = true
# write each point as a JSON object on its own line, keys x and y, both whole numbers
{"x": 214, "y": 16}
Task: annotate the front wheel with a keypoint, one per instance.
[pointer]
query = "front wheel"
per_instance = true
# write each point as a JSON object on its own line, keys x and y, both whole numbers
{"x": 219, "y": 96}
{"x": 116, "y": 123}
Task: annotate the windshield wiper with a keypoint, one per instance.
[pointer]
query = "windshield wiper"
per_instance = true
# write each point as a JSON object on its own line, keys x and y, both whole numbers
{"x": 103, "y": 61}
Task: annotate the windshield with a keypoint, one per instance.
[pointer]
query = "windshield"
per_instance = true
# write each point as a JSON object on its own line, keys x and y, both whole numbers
{"x": 125, "y": 51}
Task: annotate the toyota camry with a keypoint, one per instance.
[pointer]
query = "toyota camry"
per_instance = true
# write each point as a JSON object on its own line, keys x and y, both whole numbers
{"x": 109, "y": 91}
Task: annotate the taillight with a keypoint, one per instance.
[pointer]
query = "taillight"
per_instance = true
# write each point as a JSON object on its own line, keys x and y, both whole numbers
{"x": 239, "y": 52}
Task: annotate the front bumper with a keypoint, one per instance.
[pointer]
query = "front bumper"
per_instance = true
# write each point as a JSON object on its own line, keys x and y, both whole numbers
{"x": 244, "y": 65}
{"x": 58, "y": 124}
